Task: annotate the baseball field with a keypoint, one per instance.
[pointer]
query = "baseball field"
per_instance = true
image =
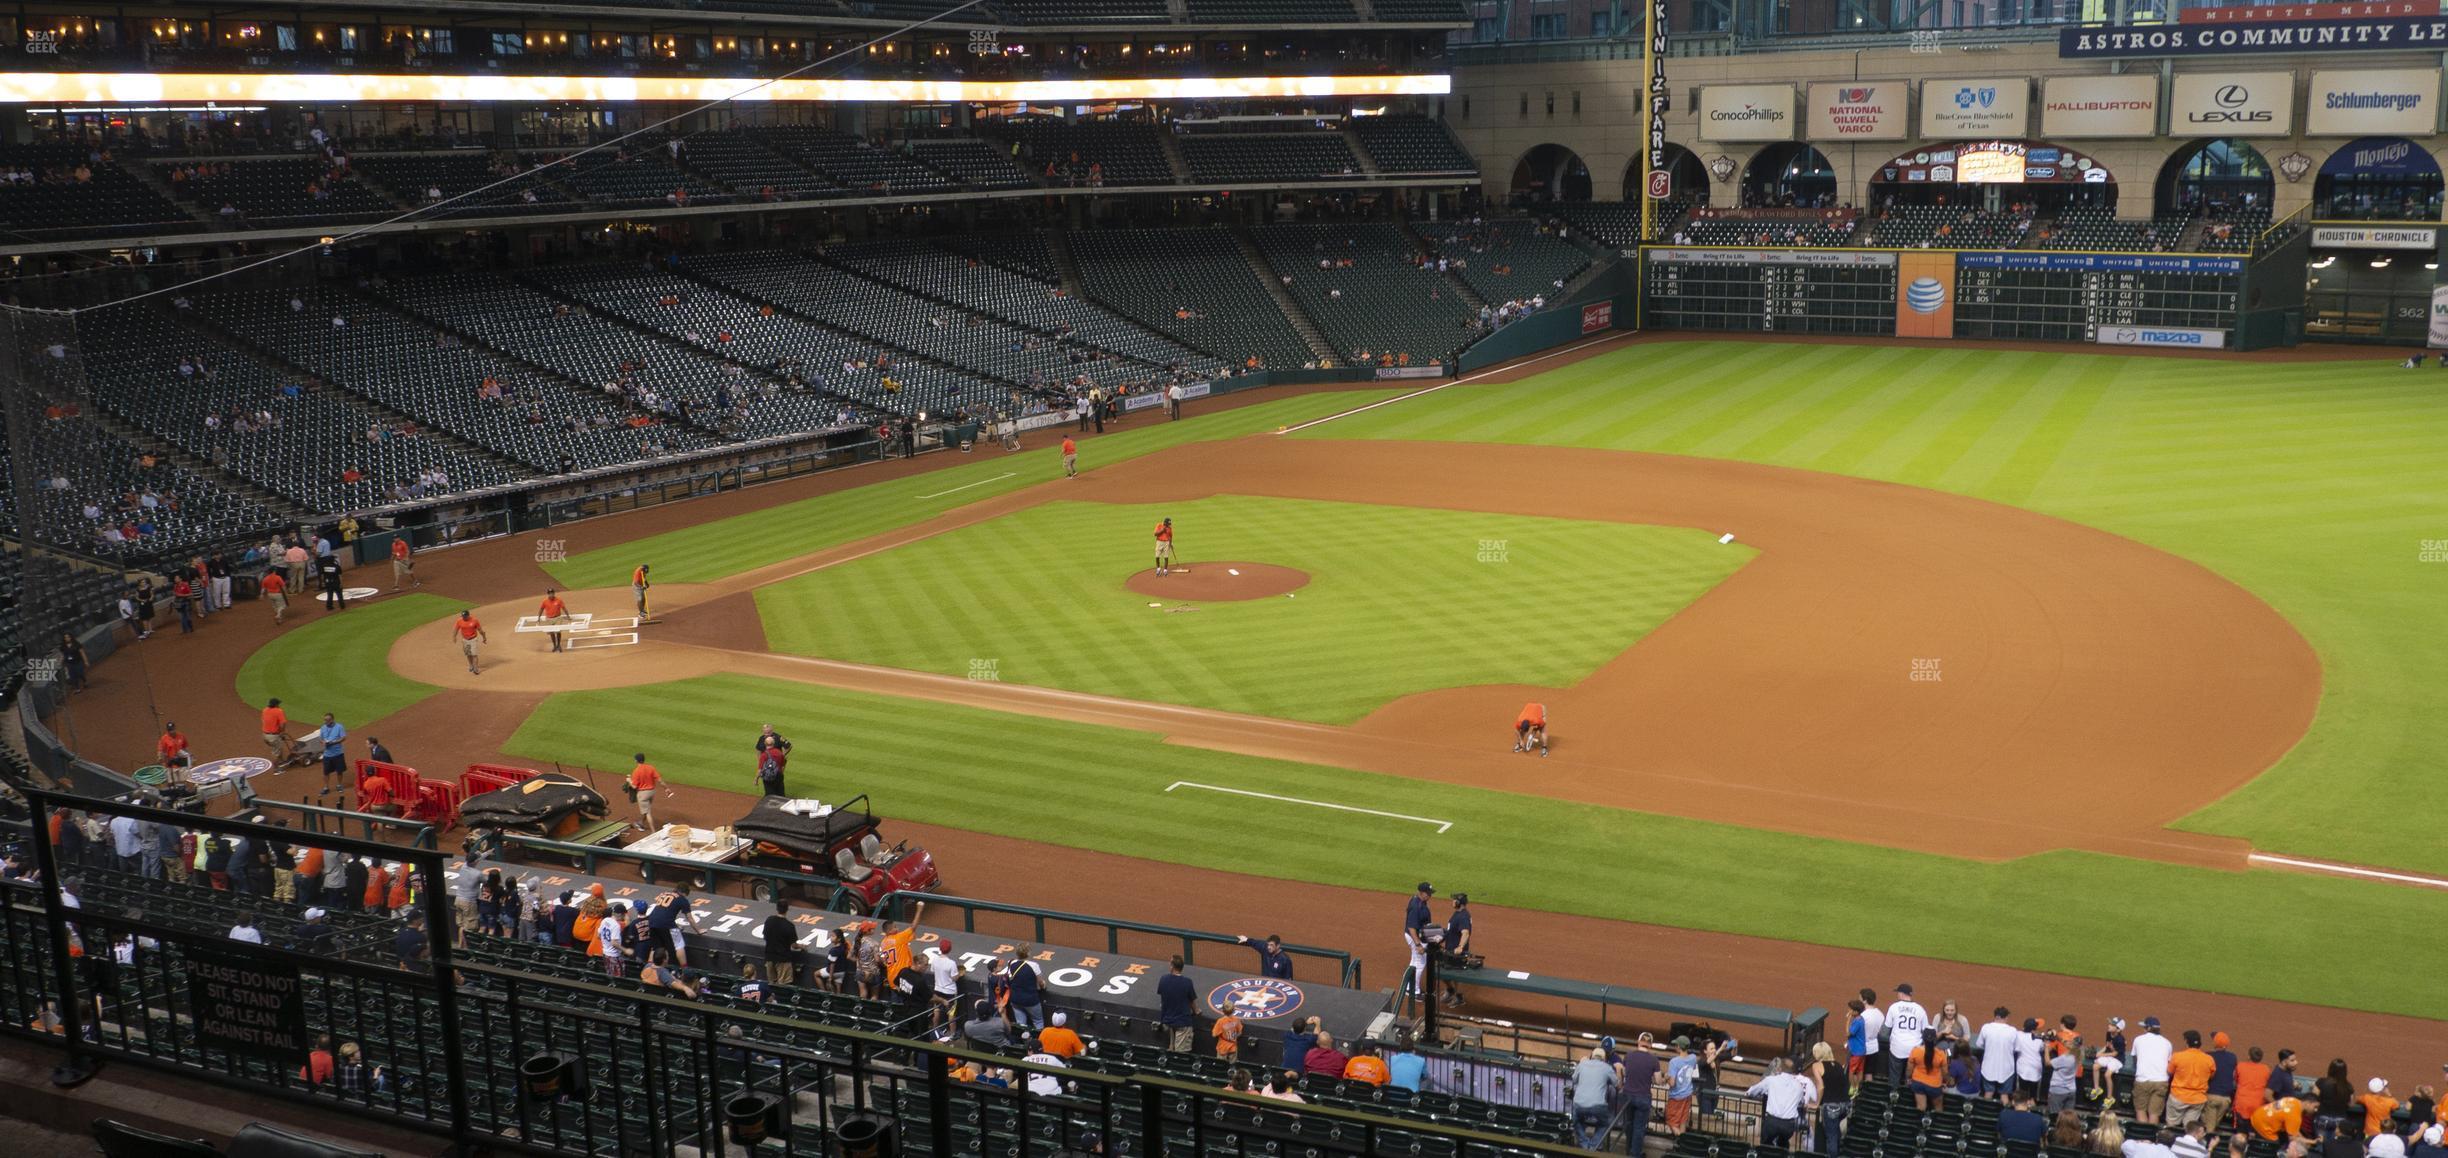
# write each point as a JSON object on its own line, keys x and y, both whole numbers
{"x": 1967, "y": 655}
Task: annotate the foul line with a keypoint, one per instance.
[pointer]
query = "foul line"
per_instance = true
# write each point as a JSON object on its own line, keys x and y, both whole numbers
{"x": 1442, "y": 825}
{"x": 978, "y": 483}
{"x": 1558, "y": 352}
{"x": 2347, "y": 870}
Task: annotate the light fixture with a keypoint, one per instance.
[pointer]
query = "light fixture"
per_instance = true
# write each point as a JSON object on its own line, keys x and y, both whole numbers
{"x": 2380, "y": 263}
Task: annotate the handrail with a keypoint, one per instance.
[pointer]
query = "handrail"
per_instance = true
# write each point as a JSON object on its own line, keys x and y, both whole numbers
{"x": 587, "y": 856}
{"x": 422, "y": 834}
{"x": 889, "y": 906}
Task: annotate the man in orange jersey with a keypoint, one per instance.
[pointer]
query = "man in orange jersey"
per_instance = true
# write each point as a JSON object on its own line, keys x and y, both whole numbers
{"x": 1164, "y": 547}
{"x": 552, "y": 610}
{"x": 276, "y": 733}
{"x": 469, "y": 632}
{"x": 1530, "y": 728}
{"x": 276, "y": 592}
{"x": 644, "y": 783}
{"x": 1070, "y": 458}
{"x": 402, "y": 567}
{"x": 637, "y": 587}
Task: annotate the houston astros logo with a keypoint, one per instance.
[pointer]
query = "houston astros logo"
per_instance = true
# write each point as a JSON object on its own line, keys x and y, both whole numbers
{"x": 1255, "y": 998}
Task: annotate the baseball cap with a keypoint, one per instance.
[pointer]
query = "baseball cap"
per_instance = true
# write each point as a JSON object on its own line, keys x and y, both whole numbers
{"x": 1682, "y": 1042}
{"x": 1425, "y": 887}
{"x": 1904, "y": 987}
{"x": 1607, "y": 1043}
{"x": 314, "y": 914}
{"x": 2376, "y": 1084}
{"x": 2150, "y": 1023}
{"x": 1091, "y": 1139}
{"x": 2116, "y": 1023}
{"x": 2219, "y": 1040}
{"x": 1461, "y": 898}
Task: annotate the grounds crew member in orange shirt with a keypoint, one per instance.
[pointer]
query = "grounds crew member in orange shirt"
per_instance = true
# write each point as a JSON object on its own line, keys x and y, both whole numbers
{"x": 638, "y": 586}
{"x": 401, "y": 567}
{"x": 1164, "y": 546}
{"x": 1530, "y": 727}
{"x": 173, "y": 747}
{"x": 552, "y": 610}
{"x": 1070, "y": 458}
{"x": 2277, "y": 1120}
{"x": 643, "y": 783}
{"x": 276, "y": 591}
{"x": 276, "y": 733}
{"x": 469, "y": 632}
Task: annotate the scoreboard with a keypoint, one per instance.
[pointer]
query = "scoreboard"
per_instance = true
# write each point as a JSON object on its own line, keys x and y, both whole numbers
{"x": 2079, "y": 297}
{"x": 2017, "y": 295}
{"x": 1772, "y": 290}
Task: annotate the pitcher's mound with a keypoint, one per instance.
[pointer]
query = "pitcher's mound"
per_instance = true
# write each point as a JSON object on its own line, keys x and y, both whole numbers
{"x": 1216, "y": 582}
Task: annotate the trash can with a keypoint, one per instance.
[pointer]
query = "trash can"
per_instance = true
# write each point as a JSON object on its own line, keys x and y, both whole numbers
{"x": 547, "y": 1076}
{"x": 754, "y": 1118}
{"x": 864, "y": 1137}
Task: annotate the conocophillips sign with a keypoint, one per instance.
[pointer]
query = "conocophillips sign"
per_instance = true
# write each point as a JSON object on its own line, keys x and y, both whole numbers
{"x": 2233, "y": 104}
{"x": 1747, "y": 112}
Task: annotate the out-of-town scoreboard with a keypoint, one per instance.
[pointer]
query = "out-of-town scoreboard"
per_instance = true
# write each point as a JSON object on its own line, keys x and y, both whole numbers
{"x": 2117, "y": 299}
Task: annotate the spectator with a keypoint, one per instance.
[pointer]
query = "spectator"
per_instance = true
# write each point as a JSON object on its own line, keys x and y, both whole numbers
{"x": 409, "y": 945}
{"x": 1297, "y": 1042}
{"x": 246, "y": 931}
{"x": 2333, "y": 1097}
{"x": 1365, "y": 1066}
{"x": 781, "y": 937}
{"x": 1060, "y": 1039}
{"x": 1174, "y": 999}
{"x": 2019, "y": 1123}
{"x": 1272, "y": 960}
{"x": 1682, "y": 1072}
{"x": 986, "y": 1029}
{"x": 1593, "y": 1088}
{"x": 2223, "y": 1068}
{"x": 2151, "y": 1053}
{"x": 2189, "y": 1071}
{"x": 2194, "y": 1142}
{"x": 1279, "y": 1087}
{"x": 1324, "y": 1059}
{"x": 2106, "y": 1139}
{"x": 1638, "y": 1071}
{"x": 2157, "y": 1145}
{"x": 1783, "y": 1097}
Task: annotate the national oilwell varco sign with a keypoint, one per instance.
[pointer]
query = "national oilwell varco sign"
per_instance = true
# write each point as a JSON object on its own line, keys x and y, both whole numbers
{"x": 2332, "y": 34}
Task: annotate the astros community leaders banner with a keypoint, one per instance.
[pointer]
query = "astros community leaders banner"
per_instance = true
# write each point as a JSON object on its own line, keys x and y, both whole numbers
{"x": 2345, "y": 34}
{"x": 2232, "y": 104}
{"x": 2401, "y": 101}
{"x": 2100, "y": 106}
{"x": 1876, "y": 111}
{"x": 1747, "y": 112}
{"x": 1990, "y": 107}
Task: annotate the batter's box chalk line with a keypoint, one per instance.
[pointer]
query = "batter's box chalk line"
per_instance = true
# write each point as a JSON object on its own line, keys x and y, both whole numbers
{"x": 1441, "y": 825}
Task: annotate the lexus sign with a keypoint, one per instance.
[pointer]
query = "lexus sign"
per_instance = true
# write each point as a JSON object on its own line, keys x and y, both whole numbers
{"x": 2232, "y": 104}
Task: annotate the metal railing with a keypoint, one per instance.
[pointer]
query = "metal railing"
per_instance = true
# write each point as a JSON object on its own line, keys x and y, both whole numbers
{"x": 537, "y": 1051}
{"x": 1347, "y": 967}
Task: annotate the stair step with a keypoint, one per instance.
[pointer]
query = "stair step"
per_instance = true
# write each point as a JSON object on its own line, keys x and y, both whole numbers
{"x": 1302, "y": 324}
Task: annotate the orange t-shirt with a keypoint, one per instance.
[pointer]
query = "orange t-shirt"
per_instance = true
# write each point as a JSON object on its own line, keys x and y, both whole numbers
{"x": 2252, "y": 1086}
{"x": 644, "y": 778}
{"x": 1367, "y": 1069}
{"x": 468, "y": 628}
{"x": 552, "y": 608}
{"x": 275, "y": 720}
{"x": 1929, "y": 1066}
{"x": 2189, "y": 1076}
{"x": 897, "y": 955}
{"x": 318, "y": 1068}
{"x": 374, "y": 792}
{"x": 172, "y": 743}
{"x": 2278, "y": 1119}
{"x": 273, "y": 584}
{"x": 2376, "y": 1111}
{"x": 310, "y": 862}
{"x": 1227, "y": 1034}
{"x": 637, "y": 578}
{"x": 378, "y": 888}
{"x": 399, "y": 548}
{"x": 399, "y": 897}
{"x": 1060, "y": 1041}
{"x": 1164, "y": 533}
{"x": 1534, "y": 714}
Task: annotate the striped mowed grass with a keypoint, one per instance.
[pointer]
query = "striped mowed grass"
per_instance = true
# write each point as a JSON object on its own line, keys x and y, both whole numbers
{"x": 2320, "y": 487}
{"x": 1400, "y": 600}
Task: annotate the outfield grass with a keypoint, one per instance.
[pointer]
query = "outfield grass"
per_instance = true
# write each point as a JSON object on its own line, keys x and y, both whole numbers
{"x": 1400, "y": 601}
{"x": 1104, "y": 789}
{"x": 2312, "y": 485}
{"x": 341, "y": 662}
{"x": 724, "y": 547}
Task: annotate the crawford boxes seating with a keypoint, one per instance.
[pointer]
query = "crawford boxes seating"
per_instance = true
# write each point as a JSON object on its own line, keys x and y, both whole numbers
{"x": 1386, "y": 302}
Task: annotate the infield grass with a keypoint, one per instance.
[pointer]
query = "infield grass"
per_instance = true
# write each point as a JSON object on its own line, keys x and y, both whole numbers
{"x": 340, "y": 662}
{"x": 724, "y": 547}
{"x": 1400, "y": 600}
{"x": 1104, "y": 789}
{"x": 2316, "y": 486}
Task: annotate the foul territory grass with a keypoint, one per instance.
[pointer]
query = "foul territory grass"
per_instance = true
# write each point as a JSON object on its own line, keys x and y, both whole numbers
{"x": 2316, "y": 486}
{"x": 1104, "y": 789}
{"x": 724, "y": 547}
{"x": 1400, "y": 600}
{"x": 340, "y": 661}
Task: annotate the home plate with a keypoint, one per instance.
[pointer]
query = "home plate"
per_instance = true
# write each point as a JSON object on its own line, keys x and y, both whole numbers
{"x": 1155, "y": 604}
